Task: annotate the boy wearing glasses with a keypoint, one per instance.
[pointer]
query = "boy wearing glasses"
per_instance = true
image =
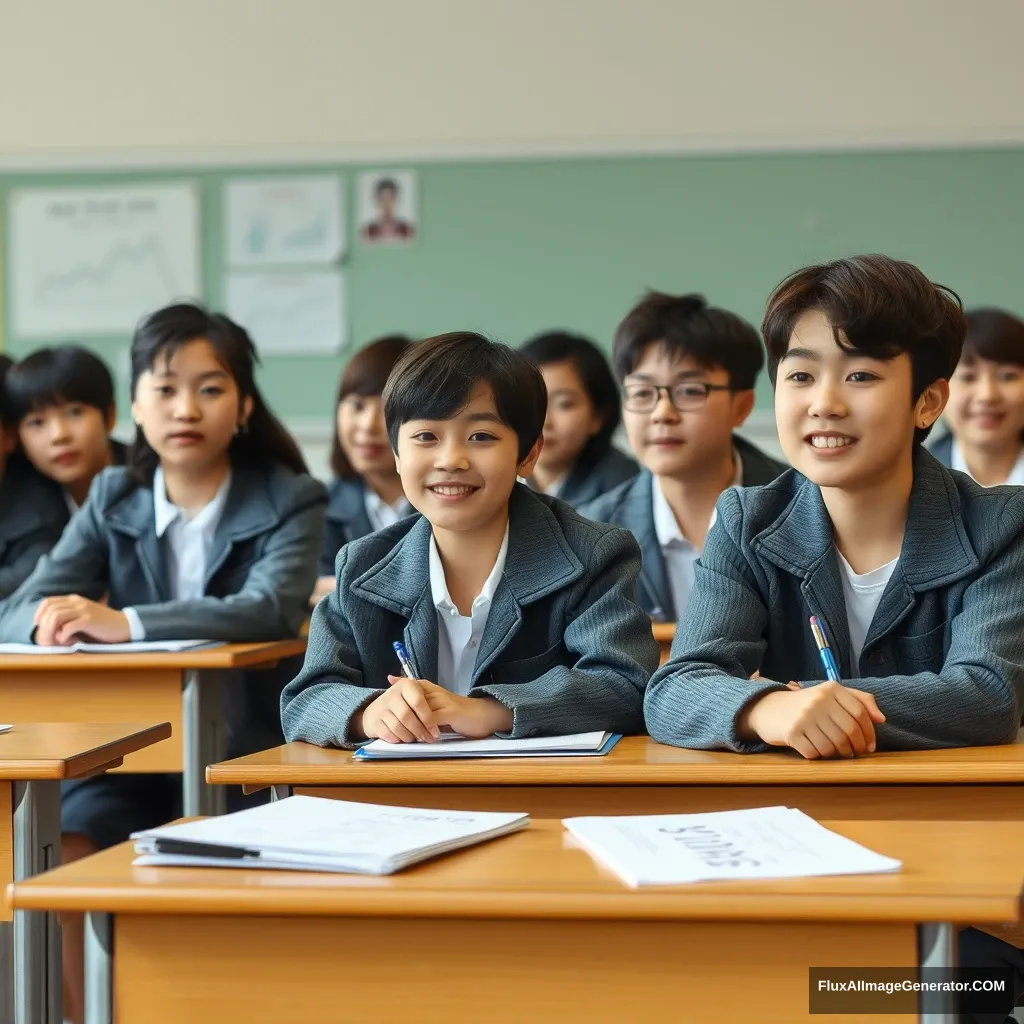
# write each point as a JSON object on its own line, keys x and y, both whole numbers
{"x": 687, "y": 372}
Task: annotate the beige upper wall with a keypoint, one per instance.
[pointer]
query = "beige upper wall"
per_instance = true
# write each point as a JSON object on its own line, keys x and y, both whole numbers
{"x": 118, "y": 77}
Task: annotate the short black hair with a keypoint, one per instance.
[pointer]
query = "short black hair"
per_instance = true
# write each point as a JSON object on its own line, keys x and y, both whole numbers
{"x": 686, "y": 326}
{"x": 6, "y": 362}
{"x": 385, "y": 185}
{"x": 595, "y": 375}
{"x": 57, "y": 376}
{"x": 877, "y": 306}
{"x": 433, "y": 381}
{"x": 995, "y": 335}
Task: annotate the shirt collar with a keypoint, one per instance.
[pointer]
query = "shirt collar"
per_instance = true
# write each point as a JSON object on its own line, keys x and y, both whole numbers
{"x": 959, "y": 463}
{"x": 374, "y": 503}
{"x": 665, "y": 526}
{"x": 439, "y": 585}
{"x": 165, "y": 513}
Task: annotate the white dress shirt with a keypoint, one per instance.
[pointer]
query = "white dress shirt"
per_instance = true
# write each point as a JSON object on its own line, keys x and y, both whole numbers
{"x": 862, "y": 592}
{"x": 188, "y": 545}
{"x": 679, "y": 553}
{"x": 958, "y": 462}
{"x": 459, "y": 635}
{"x": 380, "y": 513}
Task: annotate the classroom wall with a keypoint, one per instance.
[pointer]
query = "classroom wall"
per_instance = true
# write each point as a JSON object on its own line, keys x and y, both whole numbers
{"x": 120, "y": 80}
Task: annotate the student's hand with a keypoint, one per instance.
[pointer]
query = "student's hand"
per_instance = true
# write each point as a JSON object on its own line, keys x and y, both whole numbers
{"x": 829, "y": 720}
{"x": 399, "y": 715}
{"x": 472, "y": 717}
{"x": 324, "y": 585}
{"x": 61, "y": 621}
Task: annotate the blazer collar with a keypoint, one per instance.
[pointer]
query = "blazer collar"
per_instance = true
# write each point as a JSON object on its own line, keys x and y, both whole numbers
{"x": 347, "y": 504}
{"x": 637, "y": 516}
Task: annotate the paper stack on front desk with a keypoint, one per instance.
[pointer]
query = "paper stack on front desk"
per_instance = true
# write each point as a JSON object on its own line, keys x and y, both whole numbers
{"x": 450, "y": 745}
{"x": 306, "y": 833}
{"x": 763, "y": 842}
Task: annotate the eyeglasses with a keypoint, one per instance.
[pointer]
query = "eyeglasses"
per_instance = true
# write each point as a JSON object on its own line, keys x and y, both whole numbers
{"x": 685, "y": 397}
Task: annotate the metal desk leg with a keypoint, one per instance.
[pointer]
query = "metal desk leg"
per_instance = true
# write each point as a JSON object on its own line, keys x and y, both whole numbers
{"x": 37, "y": 957}
{"x": 936, "y": 948}
{"x": 99, "y": 989}
{"x": 202, "y": 741}
{"x": 280, "y": 793}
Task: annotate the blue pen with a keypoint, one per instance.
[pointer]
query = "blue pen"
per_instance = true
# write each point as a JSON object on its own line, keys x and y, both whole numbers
{"x": 824, "y": 651}
{"x": 403, "y": 659}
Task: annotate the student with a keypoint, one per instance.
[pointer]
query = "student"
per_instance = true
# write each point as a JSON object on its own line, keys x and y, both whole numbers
{"x": 62, "y": 401}
{"x": 32, "y": 511}
{"x": 213, "y": 531}
{"x": 986, "y": 402}
{"x": 688, "y": 372}
{"x": 517, "y": 614}
{"x": 913, "y": 571}
{"x": 578, "y": 462}
{"x": 366, "y": 493}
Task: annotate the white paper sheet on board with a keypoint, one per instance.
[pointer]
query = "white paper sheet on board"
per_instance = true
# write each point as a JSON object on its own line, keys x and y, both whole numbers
{"x": 289, "y": 312}
{"x": 283, "y": 220}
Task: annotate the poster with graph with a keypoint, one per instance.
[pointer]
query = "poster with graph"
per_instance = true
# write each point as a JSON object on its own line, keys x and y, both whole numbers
{"x": 92, "y": 261}
{"x": 283, "y": 221}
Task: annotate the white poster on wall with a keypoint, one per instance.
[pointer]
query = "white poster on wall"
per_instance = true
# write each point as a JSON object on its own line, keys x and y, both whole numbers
{"x": 289, "y": 312}
{"x": 95, "y": 260}
{"x": 283, "y": 220}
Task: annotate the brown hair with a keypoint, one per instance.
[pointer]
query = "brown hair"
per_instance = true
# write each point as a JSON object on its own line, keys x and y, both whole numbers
{"x": 365, "y": 374}
{"x": 995, "y": 335}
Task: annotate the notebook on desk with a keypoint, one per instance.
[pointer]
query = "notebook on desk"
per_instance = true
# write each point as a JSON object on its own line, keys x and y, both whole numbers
{"x": 582, "y": 744}
{"x": 132, "y": 647}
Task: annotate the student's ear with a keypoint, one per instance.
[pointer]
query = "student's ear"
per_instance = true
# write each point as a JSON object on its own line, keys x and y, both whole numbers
{"x": 111, "y": 419}
{"x": 742, "y": 406}
{"x": 526, "y": 466}
{"x": 246, "y": 412}
{"x": 929, "y": 406}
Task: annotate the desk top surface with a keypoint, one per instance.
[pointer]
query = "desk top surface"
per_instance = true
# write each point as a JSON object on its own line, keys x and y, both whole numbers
{"x": 972, "y": 872}
{"x": 224, "y": 656}
{"x": 635, "y": 760}
{"x": 36, "y": 751}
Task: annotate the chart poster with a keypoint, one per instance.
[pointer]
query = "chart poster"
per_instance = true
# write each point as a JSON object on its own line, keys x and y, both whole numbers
{"x": 93, "y": 261}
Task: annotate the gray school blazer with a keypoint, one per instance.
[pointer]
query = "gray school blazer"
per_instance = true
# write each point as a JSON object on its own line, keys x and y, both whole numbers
{"x": 566, "y": 647}
{"x": 261, "y": 570}
{"x": 631, "y": 506}
{"x": 32, "y": 515}
{"x": 584, "y": 484}
{"x": 944, "y": 656}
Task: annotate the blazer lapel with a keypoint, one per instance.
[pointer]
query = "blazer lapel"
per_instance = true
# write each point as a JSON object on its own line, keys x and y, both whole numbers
{"x": 133, "y": 517}
{"x": 638, "y": 517}
{"x": 348, "y": 507}
{"x": 247, "y": 513}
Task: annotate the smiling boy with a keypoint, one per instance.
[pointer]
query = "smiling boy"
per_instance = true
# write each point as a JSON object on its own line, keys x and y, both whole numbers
{"x": 517, "y": 614}
{"x": 912, "y": 570}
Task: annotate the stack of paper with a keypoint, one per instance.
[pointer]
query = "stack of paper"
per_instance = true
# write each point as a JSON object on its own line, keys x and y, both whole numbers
{"x": 765, "y": 842}
{"x": 308, "y": 833}
{"x": 582, "y": 744}
{"x": 132, "y": 647}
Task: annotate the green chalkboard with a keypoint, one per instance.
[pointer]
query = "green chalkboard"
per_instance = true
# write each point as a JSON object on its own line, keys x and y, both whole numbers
{"x": 514, "y": 247}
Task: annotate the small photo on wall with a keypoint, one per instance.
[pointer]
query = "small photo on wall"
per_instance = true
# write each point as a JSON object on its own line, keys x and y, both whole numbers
{"x": 387, "y": 206}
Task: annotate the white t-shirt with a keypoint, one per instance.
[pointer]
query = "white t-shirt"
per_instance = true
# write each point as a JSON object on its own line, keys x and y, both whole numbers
{"x": 862, "y": 593}
{"x": 958, "y": 462}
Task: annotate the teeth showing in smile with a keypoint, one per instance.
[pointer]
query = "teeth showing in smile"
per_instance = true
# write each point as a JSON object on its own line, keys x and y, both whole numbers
{"x": 451, "y": 490}
{"x": 818, "y": 441}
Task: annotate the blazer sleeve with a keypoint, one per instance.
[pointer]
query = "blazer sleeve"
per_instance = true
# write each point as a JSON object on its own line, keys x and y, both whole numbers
{"x": 616, "y": 651}
{"x": 977, "y": 697}
{"x": 317, "y": 706}
{"x": 24, "y": 556}
{"x": 274, "y": 599}
{"x": 77, "y": 564}
{"x": 695, "y": 698}
{"x": 334, "y": 541}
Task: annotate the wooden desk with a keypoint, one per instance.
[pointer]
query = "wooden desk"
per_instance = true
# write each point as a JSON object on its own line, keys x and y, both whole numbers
{"x": 183, "y": 688}
{"x": 34, "y": 760}
{"x": 664, "y": 633}
{"x": 640, "y": 776}
{"x": 524, "y": 926}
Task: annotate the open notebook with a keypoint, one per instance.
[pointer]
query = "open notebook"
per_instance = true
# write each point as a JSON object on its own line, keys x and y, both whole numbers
{"x": 133, "y": 647}
{"x": 306, "y": 833}
{"x": 582, "y": 744}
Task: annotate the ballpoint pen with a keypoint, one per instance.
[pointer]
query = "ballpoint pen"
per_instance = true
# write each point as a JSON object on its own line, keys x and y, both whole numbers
{"x": 824, "y": 651}
{"x": 403, "y": 659}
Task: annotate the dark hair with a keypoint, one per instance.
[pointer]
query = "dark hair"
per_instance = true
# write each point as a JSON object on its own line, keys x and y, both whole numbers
{"x": 878, "y": 306}
{"x": 365, "y": 374}
{"x": 433, "y": 381}
{"x": 57, "y": 376}
{"x": 995, "y": 335}
{"x": 685, "y": 325}
{"x": 385, "y": 185}
{"x": 6, "y": 362}
{"x": 592, "y": 367}
{"x": 264, "y": 441}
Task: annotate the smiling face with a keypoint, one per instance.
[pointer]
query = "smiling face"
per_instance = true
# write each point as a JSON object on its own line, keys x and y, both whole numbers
{"x": 986, "y": 405}
{"x": 459, "y": 472}
{"x": 675, "y": 443}
{"x": 571, "y": 419}
{"x": 846, "y": 420}
{"x": 67, "y": 442}
{"x": 363, "y": 435}
{"x": 188, "y": 407}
